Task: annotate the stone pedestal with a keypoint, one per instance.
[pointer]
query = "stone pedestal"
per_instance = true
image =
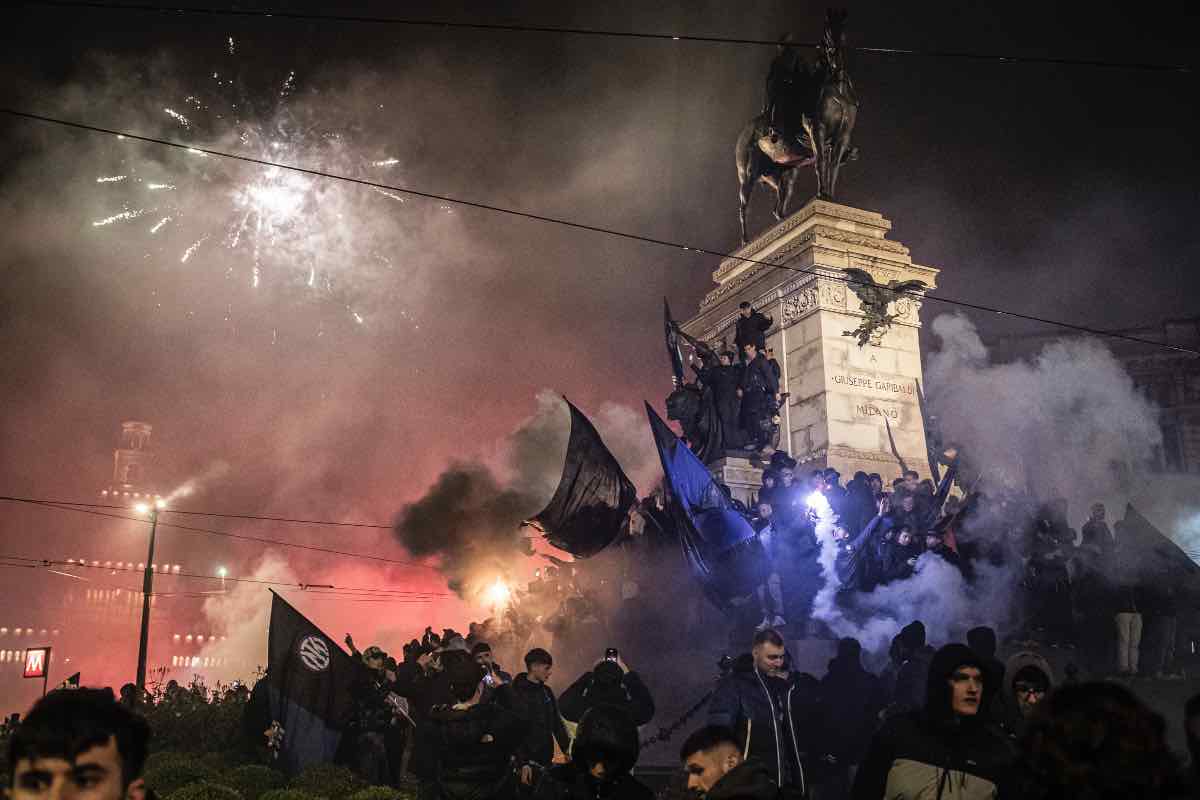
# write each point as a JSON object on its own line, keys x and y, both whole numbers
{"x": 839, "y": 393}
{"x": 741, "y": 476}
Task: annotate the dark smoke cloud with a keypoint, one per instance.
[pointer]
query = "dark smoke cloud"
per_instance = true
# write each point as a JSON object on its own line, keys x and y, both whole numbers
{"x": 468, "y": 520}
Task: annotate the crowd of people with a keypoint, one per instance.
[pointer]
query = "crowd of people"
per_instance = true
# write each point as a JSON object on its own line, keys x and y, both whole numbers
{"x": 737, "y": 390}
{"x": 1095, "y": 591}
{"x": 948, "y": 723}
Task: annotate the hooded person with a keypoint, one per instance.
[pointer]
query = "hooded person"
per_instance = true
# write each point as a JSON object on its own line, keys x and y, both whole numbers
{"x": 1028, "y": 679}
{"x": 853, "y": 698}
{"x": 605, "y": 751}
{"x": 913, "y": 675}
{"x": 464, "y": 750}
{"x": 947, "y": 749}
{"x": 609, "y": 683}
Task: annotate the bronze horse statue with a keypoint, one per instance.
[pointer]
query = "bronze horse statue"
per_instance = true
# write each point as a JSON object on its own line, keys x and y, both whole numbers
{"x": 807, "y": 121}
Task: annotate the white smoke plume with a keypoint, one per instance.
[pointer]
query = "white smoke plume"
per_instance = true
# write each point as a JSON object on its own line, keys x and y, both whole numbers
{"x": 241, "y": 618}
{"x": 1066, "y": 423}
{"x": 1062, "y": 424}
{"x": 937, "y": 594}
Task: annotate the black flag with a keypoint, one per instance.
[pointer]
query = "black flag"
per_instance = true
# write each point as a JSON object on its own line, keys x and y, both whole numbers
{"x": 671, "y": 335}
{"x": 593, "y": 497}
{"x": 309, "y": 680}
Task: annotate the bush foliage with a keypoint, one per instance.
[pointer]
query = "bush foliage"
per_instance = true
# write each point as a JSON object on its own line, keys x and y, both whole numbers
{"x": 288, "y": 794}
{"x": 173, "y": 774}
{"x": 330, "y": 781}
{"x": 253, "y": 780}
{"x": 204, "y": 790}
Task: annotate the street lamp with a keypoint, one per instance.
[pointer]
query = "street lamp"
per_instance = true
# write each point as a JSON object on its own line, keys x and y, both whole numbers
{"x": 147, "y": 589}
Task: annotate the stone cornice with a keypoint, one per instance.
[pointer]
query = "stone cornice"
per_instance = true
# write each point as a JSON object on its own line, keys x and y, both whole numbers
{"x": 857, "y": 218}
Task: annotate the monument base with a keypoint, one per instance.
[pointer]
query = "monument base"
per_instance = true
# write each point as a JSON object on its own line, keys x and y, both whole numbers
{"x": 742, "y": 475}
{"x": 842, "y": 397}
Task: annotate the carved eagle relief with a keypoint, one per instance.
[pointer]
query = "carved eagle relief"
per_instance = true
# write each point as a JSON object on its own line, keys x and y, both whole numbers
{"x": 875, "y": 299}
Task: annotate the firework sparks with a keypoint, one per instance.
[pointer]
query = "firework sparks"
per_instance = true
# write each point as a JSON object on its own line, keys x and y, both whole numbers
{"x": 122, "y": 217}
{"x": 392, "y": 195}
{"x": 180, "y": 118}
{"x": 278, "y": 230}
{"x": 192, "y": 249}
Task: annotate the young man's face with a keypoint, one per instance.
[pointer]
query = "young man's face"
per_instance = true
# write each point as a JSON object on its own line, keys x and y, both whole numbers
{"x": 932, "y": 542}
{"x": 787, "y": 476}
{"x": 95, "y": 775}
{"x": 705, "y": 769}
{"x": 876, "y": 485}
{"x": 904, "y": 539}
{"x": 768, "y": 658}
{"x": 910, "y": 481}
{"x": 966, "y": 691}
{"x": 764, "y": 510}
{"x": 751, "y": 351}
{"x": 744, "y": 311}
{"x": 484, "y": 658}
{"x": 540, "y": 673}
{"x": 723, "y": 359}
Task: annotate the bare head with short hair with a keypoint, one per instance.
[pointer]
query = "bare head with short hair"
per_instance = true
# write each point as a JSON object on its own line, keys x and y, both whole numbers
{"x": 769, "y": 652}
{"x": 79, "y": 743}
{"x": 708, "y": 754}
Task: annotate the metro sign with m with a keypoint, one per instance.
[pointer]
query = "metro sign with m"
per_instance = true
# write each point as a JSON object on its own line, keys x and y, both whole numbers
{"x": 37, "y": 661}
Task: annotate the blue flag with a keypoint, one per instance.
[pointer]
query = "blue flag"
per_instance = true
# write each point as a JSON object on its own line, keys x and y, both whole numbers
{"x": 309, "y": 679}
{"x": 719, "y": 543}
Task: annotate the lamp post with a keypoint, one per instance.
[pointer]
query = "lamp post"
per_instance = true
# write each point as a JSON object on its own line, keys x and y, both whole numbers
{"x": 147, "y": 588}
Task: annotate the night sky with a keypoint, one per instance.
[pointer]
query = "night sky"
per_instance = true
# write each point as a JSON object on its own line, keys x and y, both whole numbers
{"x": 1059, "y": 191}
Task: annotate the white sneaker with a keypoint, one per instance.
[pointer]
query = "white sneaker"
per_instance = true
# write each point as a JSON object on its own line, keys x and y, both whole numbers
{"x": 778, "y": 622}
{"x": 766, "y": 623}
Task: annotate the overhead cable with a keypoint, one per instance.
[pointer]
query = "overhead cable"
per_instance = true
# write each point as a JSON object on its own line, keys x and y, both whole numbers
{"x": 600, "y": 32}
{"x": 585, "y": 227}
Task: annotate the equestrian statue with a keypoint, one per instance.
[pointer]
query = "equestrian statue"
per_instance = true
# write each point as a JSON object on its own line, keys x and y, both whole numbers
{"x": 806, "y": 120}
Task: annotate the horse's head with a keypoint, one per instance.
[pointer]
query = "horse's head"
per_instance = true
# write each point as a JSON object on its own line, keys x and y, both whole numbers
{"x": 834, "y": 40}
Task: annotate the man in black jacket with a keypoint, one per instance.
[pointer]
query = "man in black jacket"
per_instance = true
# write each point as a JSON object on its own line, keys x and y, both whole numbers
{"x": 530, "y": 698}
{"x": 779, "y": 711}
{"x": 609, "y": 683}
{"x": 464, "y": 750}
{"x": 716, "y": 770}
{"x": 758, "y": 391}
{"x": 946, "y": 749}
{"x": 605, "y": 750}
{"x": 752, "y": 329}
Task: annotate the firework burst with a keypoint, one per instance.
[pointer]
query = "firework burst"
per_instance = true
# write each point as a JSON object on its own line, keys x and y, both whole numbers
{"x": 265, "y": 228}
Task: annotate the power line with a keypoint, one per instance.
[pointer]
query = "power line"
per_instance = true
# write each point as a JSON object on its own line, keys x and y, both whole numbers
{"x": 211, "y": 532}
{"x": 315, "y": 590}
{"x": 292, "y": 520}
{"x": 585, "y": 227}
{"x": 600, "y": 32}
